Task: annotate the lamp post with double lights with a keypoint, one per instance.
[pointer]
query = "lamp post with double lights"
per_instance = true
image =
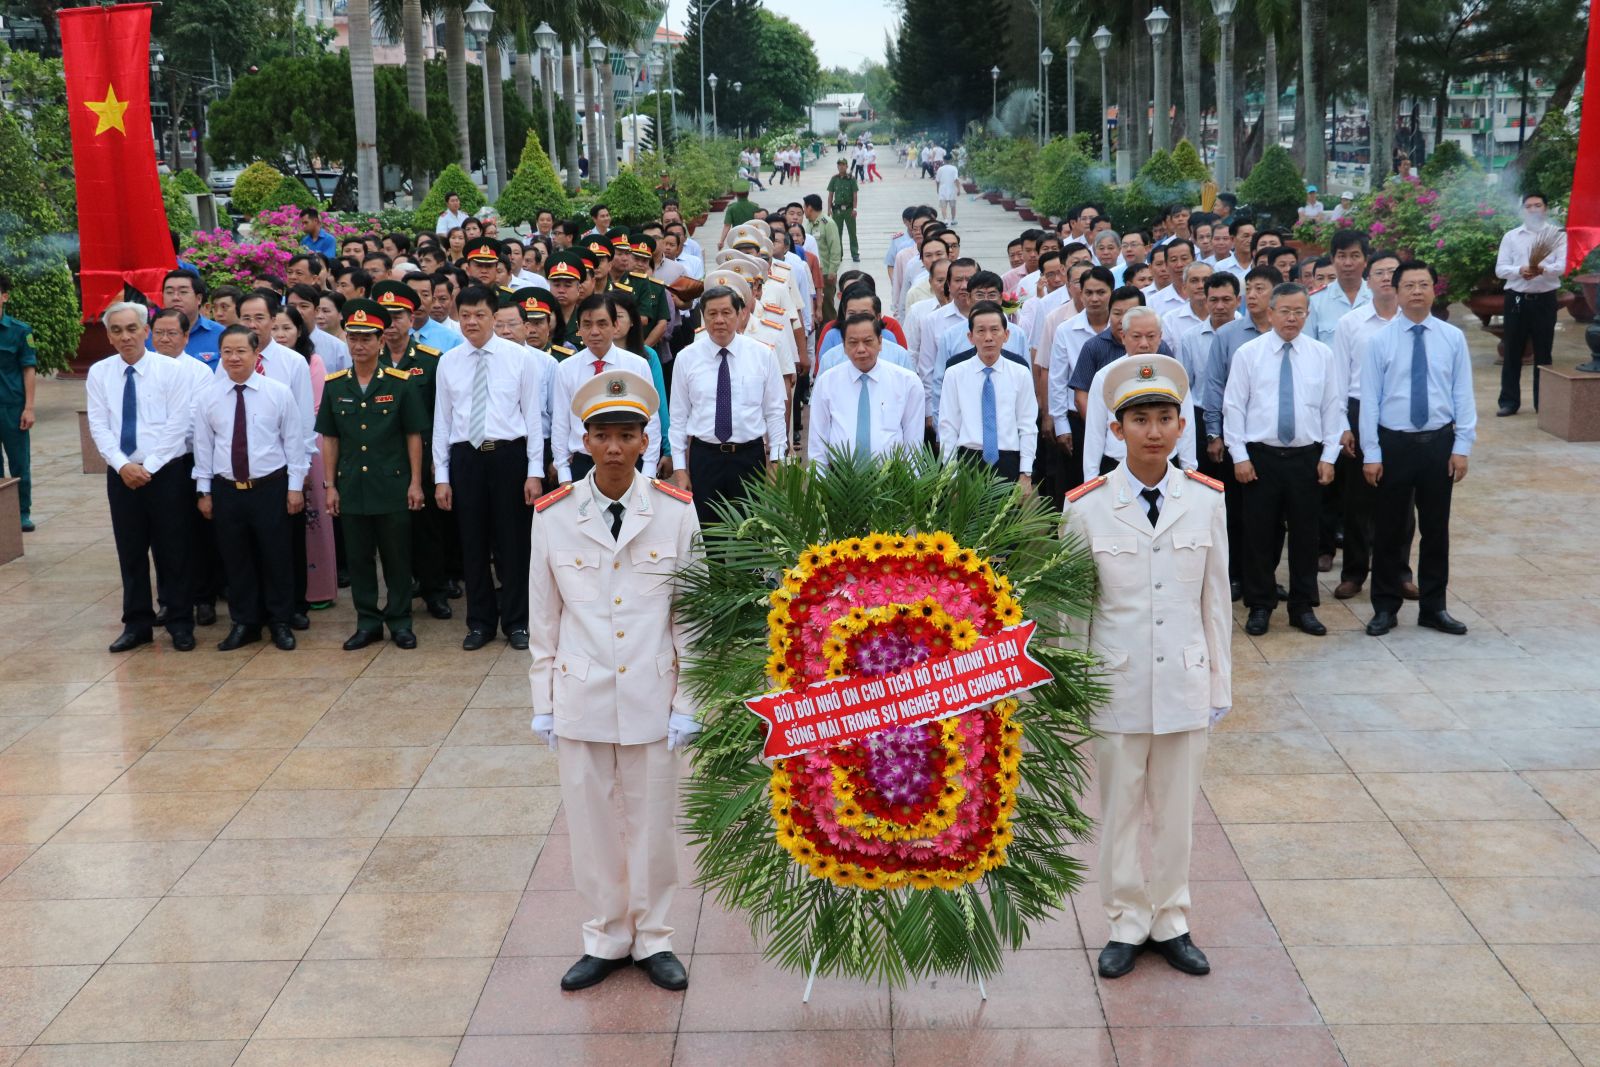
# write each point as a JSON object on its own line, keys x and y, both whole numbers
{"x": 480, "y": 17}
{"x": 1161, "y": 131}
{"x": 1102, "y": 44}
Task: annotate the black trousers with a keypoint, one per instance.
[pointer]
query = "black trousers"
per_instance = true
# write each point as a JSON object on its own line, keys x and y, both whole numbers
{"x": 1360, "y": 505}
{"x": 1416, "y": 466}
{"x": 1072, "y": 458}
{"x": 1008, "y": 466}
{"x": 153, "y": 520}
{"x": 254, "y": 525}
{"x": 203, "y": 565}
{"x": 1285, "y": 492}
{"x": 802, "y": 397}
{"x": 297, "y": 556}
{"x": 715, "y": 474}
{"x": 1050, "y": 469}
{"x": 1222, "y": 471}
{"x": 494, "y": 521}
{"x": 1528, "y": 317}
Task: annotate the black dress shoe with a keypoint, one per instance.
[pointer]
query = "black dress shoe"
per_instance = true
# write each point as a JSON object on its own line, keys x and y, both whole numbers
{"x": 238, "y": 637}
{"x": 439, "y": 608}
{"x": 1236, "y": 591}
{"x": 590, "y": 970}
{"x": 1181, "y": 952}
{"x": 1281, "y": 592}
{"x": 1118, "y": 957}
{"x": 1308, "y": 623}
{"x": 129, "y": 640}
{"x": 1381, "y": 623}
{"x": 665, "y": 970}
{"x": 404, "y": 639}
{"x": 1442, "y": 621}
{"x": 361, "y": 639}
{"x": 344, "y": 579}
{"x": 183, "y": 640}
{"x": 474, "y": 640}
{"x": 1256, "y": 624}
{"x": 1505, "y": 409}
{"x": 518, "y": 639}
{"x": 299, "y": 621}
{"x": 205, "y": 614}
{"x": 454, "y": 590}
{"x": 282, "y": 637}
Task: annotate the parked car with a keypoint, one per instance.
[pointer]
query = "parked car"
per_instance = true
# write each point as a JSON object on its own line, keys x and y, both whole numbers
{"x": 320, "y": 182}
{"x": 223, "y": 178}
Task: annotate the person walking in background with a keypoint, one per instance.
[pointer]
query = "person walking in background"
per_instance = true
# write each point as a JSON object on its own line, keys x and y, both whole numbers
{"x": 842, "y": 193}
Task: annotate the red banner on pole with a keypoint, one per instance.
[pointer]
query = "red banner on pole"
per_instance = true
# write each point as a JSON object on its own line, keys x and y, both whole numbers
{"x": 1583, "y": 214}
{"x": 122, "y": 223}
{"x": 825, "y": 714}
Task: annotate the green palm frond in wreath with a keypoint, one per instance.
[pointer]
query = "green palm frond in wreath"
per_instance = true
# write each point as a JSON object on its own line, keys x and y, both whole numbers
{"x": 904, "y": 934}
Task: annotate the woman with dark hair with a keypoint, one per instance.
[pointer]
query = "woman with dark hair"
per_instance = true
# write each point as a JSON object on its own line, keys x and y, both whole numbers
{"x": 629, "y": 337}
{"x": 330, "y": 312}
{"x": 455, "y": 244}
{"x": 322, "y": 576}
{"x": 472, "y": 228}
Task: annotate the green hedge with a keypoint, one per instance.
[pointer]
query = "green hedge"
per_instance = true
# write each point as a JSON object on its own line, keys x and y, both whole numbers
{"x": 255, "y": 183}
{"x": 290, "y": 191}
{"x": 450, "y": 180}
{"x": 631, "y": 201}
{"x": 31, "y": 252}
{"x": 535, "y": 186}
{"x": 1274, "y": 187}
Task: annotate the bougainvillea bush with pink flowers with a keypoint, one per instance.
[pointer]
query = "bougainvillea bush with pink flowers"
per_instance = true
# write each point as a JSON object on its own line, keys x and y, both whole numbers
{"x": 265, "y": 245}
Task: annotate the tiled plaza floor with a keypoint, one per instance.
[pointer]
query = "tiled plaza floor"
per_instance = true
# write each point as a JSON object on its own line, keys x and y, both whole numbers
{"x": 352, "y": 859}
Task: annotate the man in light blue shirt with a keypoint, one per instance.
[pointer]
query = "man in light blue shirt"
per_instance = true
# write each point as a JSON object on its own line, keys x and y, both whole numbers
{"x": 1348, "y": 291}
{"x": 954, "y": 344}
{"x": 1418, "y": 423}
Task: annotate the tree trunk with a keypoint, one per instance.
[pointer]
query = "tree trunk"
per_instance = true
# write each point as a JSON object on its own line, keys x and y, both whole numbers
{"x": 1193, "y": 111}
{"x": 1272, "y": 128}
{"x": 591, "y": 125}
{"x": 569, "y": 92}
{"x": 1381, "y": 20}
{"x": 369, "y": 195}
{"x": 522, "y": 73}
{"x": 497, "y": 109}
{"x": 1313, "y": 29}
{"x": 1144, "y": 88}
{"x": 416, "y": 83}
{"x": 455, "y": 55}
{"x": 1560, "y": 96}
{"x": 608, "y": 117}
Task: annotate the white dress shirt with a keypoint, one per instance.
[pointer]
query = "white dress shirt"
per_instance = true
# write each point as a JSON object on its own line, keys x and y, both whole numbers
{"x": 516, "y": 401}
{"x": 289, "y": 368}
{"x": 1033, "y": 316}
{"x": 1350, "y": 339}
{"x": 566, "y": 429}
{"x": 200, "y": 378}
{"x": 1099, "y": 444}
{"x": 449, "y": 220}
{"x": 912, "y": 323}
{"x": 1177, "y": 322}
{"x": 1231, "y": 264}
{"x": 1515, "y": 247}
{"x": 273, "y": 433}
{"x": 958, "y": 339}
{"x": 1069, "y": 340}
{"x": 1164, "y": 300}
{"x": 165, "y": 395}
{"x": 1250, "y": 401}
{"x": 546, "y": 364}
{"x": 1016, "y": 409}
{"x": 1194, "y": 352}
{"x": 939, "y": 321}
{"x": 1330, "y": 304}
{"x": 334, "y": 352}
{"x": 758, "y": 396}
{"x": 894, "y": 395}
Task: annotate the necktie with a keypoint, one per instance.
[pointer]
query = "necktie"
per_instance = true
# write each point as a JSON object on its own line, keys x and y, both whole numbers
{"x": 991, "y": 422}
{"x": 864, "y": 418}
{"x": 241, "y": 442}
{"x": 478, "y": 427}
{"x": 1419, "y": 378}
{"x": 130, "y": 412}
{"x": 599, "y": 365}
{"x": 723, "y": 429}
{"x": 616, "y": 510}
{"x": 1153, "y": 498}
{"x": 1286, "y": 397}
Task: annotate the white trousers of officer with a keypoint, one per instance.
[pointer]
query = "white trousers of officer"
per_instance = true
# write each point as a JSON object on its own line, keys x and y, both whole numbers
{"x": 621, "y": 802}
{"x": 1162, "y": 770}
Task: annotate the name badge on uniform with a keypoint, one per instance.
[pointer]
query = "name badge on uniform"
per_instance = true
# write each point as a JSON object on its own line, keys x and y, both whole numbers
{"x": 345, "y": 399}
{"x": 387, "y": 398}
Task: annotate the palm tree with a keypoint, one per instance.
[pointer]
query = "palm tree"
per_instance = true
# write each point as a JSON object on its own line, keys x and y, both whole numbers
{"x": 1313, "y": 133}
{"x": 1382, "y": 17}
{"x": 416, "y": 83}
{"x": 369, "y": 195}
{"x": 496, "y": 104}
{"x": 455, "y": 58}
{"x": 569, "y": 85}
{"x": 1191, "y": 16}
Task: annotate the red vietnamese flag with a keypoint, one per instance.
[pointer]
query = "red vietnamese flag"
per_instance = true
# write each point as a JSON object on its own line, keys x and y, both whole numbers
{"x": 122, "y": 223}
{"x": 1583, "y": 213}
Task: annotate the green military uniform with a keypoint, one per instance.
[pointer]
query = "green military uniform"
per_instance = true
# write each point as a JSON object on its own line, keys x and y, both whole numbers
{"x": 372, "y": 423}
{"x": 844, "y": 189}
{"x": 570, "y": 265}
{"x": 433, "y": 532}
{"x": 17, "y": 357}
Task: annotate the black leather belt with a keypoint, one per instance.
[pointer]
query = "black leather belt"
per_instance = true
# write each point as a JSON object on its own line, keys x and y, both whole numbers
{"x": 1282, "y": 450}
{"x": 729, "y": 446}
{"x": 1420, "y": 436}
{"x": 261, "y": 482}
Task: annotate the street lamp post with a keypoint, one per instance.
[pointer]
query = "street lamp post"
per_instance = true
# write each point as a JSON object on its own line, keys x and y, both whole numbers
{"x": 602, "y": 163}
{"x": 1156, "y": 22}
{"x": 701, "y": 35}
{"x": 1073, "y": 48}
{"x": 1039, "y": 72}
{"x": 738, "y": 106}
{"x": 994, "y": 92}
{"x": 656, "y": 65}
{"x": 711, "y": 80}
{"x": 546, "y": 38}
{"x": 1102, "y": 44}
{"x": 1045, "y": 59}
{"x": 631, "y": 61}
{"x": 1224, "y": 169}
{"x": 480, "y": 17}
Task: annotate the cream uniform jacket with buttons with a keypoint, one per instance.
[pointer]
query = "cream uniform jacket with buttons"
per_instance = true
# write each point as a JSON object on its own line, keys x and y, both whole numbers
{"x": 605, "y": 643}
{"x": 1162, "y": 622}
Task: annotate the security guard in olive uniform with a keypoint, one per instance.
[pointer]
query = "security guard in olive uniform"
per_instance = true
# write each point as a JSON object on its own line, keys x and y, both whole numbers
{"x": 435, "y": 543}
{"x": 371, "y": 422}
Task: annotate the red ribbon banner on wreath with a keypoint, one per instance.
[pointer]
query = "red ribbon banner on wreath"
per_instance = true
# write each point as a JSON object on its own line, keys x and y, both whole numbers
{"x": 122, "y": 223}
{"x": 841, "y": 710}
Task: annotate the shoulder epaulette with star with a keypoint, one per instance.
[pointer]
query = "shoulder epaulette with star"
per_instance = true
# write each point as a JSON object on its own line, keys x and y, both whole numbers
{"x": 673, "y": 491}
{"x": 336, "y": 375}
{"x": 1203, "y": 480}
{"x": 402, "y": 375}
{"x": 1086, "y": 488}
{"x": 428, "y": 350}
{"x": 552, "y": 496}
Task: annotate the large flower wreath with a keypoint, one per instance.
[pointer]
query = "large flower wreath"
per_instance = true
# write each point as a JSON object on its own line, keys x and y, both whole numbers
{"x": 917, "y": 849}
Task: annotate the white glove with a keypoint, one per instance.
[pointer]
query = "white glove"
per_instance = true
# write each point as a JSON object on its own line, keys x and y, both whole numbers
{"x": 544, "y": 728}
{"x": 680, "y": 730}
{"x": 1218, "y": 713}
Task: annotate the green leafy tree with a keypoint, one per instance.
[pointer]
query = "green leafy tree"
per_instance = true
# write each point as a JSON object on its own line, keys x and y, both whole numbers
{"x": 38, "y": 99}
{"x": 1274, "y": 187}
{"x": 255, "y": 183}
{"x": 187, "y": 181}
{"x": 1160, "y": 181}
{"x": 291, "y": 191}
{"x": 632, "y": 202}
{"x": 450, "y": 180}
{"x": 33, "y": 252}
{"x": 534, "y": 186}
{"x": 180, "y": 220}
{"x": 696, "y": 177}
{"x": 1554, "y": 159}
{"x": 1065, "y": 175}
{"x": 941, "y": 61}
{"x": 1187, "y": 162}
{"x": 1446, "y": 158}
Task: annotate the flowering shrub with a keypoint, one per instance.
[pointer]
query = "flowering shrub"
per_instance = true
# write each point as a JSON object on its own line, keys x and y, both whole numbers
{"x": 224, "y": 259}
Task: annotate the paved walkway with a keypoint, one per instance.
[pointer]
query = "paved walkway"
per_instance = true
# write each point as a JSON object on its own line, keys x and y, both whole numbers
{"x": 338, "y": 858}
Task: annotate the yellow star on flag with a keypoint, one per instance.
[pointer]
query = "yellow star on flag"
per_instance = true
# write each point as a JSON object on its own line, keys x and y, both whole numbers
{"x": 108, "y": 112}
